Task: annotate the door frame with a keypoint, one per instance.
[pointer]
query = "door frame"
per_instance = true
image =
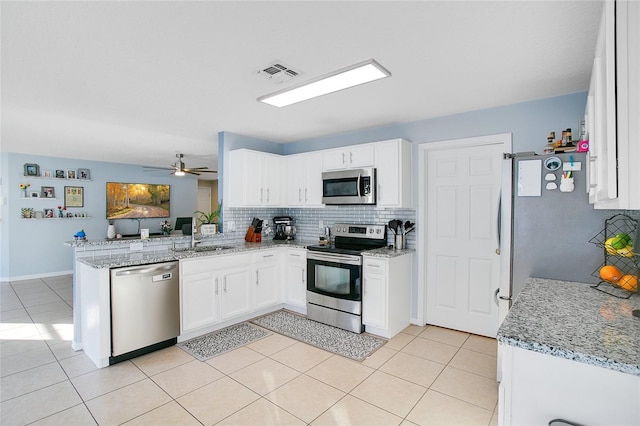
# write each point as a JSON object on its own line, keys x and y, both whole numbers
{"x": 505, "y": 211}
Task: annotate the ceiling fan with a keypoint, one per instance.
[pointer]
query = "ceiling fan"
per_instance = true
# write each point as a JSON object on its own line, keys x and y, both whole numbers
{"x": 179, "y": 169}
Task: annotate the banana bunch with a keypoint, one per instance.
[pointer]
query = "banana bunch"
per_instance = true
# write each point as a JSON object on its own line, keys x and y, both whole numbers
{"x": 620, "y": 245}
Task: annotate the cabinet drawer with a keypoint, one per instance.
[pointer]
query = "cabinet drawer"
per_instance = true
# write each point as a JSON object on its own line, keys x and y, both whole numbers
{"x": 376, "y": 266}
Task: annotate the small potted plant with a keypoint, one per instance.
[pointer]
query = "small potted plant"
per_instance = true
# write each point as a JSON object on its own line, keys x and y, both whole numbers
{"x": 207, "y": 222}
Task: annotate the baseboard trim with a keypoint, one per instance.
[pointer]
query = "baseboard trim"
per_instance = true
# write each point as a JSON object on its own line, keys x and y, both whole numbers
{"x": 36, "y": 276}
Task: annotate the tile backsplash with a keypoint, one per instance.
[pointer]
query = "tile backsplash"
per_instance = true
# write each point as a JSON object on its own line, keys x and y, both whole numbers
{"x": 307, "y": 219}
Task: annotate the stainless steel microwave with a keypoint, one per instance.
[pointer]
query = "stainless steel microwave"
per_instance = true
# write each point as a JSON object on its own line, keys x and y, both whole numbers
{"x": 354, "y": 186}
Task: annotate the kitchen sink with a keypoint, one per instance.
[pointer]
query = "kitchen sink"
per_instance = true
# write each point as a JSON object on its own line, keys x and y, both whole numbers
{"x": 200, "y": 249}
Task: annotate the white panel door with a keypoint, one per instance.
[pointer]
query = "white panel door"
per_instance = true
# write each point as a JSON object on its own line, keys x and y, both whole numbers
{"x": 463, "y": 266}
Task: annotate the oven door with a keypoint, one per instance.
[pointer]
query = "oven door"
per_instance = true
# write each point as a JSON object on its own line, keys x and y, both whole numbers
{"x": 335, "y": 275}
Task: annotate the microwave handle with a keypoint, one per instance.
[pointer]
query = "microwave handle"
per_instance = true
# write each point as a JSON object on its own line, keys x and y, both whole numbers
{"x": 358, "y": 184}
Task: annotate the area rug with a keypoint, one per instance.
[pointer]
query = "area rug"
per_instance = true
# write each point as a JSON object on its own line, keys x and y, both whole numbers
{"x": 221, "y": 341}
{"x": 331, "y": 339}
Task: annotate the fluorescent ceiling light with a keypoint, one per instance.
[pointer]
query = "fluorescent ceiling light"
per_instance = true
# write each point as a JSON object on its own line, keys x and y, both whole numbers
{"x": 354, "y": 75}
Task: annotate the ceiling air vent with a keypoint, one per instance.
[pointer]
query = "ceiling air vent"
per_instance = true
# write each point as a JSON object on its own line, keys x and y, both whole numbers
{"x": 279, "y": 73}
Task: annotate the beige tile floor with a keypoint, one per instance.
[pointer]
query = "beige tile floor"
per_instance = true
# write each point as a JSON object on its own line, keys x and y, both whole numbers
{"x": 424, "y": 376}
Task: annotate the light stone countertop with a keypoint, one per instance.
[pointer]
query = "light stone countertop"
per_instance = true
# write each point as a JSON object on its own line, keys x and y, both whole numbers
{"x": 387, "y": 252}
{"x": 574, "y": 321}
{"x": 135, "y": 258}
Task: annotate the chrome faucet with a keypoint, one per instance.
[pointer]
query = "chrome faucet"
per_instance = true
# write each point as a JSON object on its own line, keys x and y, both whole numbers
{"x": 194, "y": 231}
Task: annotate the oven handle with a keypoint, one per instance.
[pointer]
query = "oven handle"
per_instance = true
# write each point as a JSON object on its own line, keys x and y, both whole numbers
{"x": 335, "y": 258}
{"x": 358, "y": 184}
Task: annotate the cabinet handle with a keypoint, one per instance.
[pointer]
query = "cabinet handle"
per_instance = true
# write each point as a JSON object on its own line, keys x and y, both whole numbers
{"x": 224, "y": 288}
{"x": 257, "y": 280}
{"x": 350, "y": 157}
{"x": 267, "y": 195}
{"x": 300, "y": 194}
{"x": 216, "y": 286}
{"x": 261, "y": 190}
{"x": 306, "y": 197}
{"x": 343, "y": 159}
{"x": 267, "y": 255}
{"x": 371, "y": 265}
{"x": 303, "y": 275}
{"x": 294, "y": 255}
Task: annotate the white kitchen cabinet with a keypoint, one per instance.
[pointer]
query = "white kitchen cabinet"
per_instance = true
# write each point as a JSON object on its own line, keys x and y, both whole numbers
{"x": 304, "y": 180}
{"x": 349, "y": 157}
{"x": 393, "y": 164}
{"x": 199, "y": 301}
{"x": 296, "y": 265}
{"x": 236, "y": 291}
{"x": 266, "y": 278}
{"x": 537, "y": 388}
{"x": 255, "y": 178}
{"x": 213, "y": 289}
{"x": 613, "y": 106}
{"x": 386, "y": 294}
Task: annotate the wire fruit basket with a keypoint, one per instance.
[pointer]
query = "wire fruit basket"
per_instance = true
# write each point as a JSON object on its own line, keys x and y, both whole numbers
{"x": 622, "y": 258}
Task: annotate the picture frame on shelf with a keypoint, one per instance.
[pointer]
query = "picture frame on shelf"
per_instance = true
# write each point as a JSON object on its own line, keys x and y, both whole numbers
{"x": 39, "y": 214}
{"x": 71, "y": 173}
{"x": 84, "y": 174}
{"x": 34, "y": 194}
{"x": 48, "y": 213}
{"x": 59, "y": 174}
{"x": 70, "y": 214}
{"x": 74, "y": 196}
{"x": 31, "y": 169}
{"x": 47, "y": 192}
{"x": 47, "y": 173}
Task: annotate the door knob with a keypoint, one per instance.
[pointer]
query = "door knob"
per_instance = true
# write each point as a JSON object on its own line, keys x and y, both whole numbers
{"x": 497, "y": 251}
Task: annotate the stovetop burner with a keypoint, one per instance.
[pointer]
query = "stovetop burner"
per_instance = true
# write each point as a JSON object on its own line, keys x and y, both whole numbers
{"x": 354, "y": 239}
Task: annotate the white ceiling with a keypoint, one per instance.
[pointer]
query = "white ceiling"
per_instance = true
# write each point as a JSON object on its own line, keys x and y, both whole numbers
{"x": 136, "y": 81}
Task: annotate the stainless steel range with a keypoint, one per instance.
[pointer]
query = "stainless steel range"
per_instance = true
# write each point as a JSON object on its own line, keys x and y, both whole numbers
{"x": 334, "y": 275}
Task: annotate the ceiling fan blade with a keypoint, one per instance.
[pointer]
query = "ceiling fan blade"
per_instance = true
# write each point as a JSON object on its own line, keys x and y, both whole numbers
{"x": 158, "y": 168}
{"x": 191, "y": 172}
{"x": 199, "y": 170}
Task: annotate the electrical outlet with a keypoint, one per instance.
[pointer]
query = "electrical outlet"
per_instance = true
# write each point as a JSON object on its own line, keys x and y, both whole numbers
{"x": 231, "y": 226}
{"x": 136, "y": 246}
{"x": 321, "y": 224}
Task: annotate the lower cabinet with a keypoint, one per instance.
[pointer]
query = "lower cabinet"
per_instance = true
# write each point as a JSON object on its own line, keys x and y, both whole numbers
{"x": 199, "y": 300}
{"x": 235, "y": 298}
{"x": 537, "y": 388}
{"x": 266, "y": 278}
{"x": 296, "y": 290}
{"x": 386, "y": 294}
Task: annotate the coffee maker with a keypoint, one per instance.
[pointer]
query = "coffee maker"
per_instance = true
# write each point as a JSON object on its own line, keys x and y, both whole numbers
{"x": 284, "y": 228}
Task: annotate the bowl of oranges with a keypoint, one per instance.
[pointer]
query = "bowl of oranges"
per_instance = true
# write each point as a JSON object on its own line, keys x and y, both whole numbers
{"x": 613, "y": 275}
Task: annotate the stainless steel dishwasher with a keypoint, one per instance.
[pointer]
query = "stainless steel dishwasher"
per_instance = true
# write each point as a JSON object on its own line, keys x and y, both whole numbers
{"x": 145, "y": 309}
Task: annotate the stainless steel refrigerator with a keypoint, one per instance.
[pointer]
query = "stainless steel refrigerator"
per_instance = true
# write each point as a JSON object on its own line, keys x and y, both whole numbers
{"x": 551, "y": 229}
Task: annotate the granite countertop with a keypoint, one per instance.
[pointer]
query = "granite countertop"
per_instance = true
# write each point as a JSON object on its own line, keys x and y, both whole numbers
{"x": 574, "y": 321}
{"x": 146, "y": 257}
{"x": 387, "y": 252}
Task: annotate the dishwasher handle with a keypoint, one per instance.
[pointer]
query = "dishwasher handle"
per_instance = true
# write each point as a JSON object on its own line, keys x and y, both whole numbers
{"x": 149, "y": 270}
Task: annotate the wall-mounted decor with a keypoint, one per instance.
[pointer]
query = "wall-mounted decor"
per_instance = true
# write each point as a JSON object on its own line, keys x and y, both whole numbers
{"x": 137, "y": 200}
{"x": 84, "y": 174}
{"x": 73, "y": 196}
{"x": 34, "y": 194}
{"x": 47, "y": 173}
{"x": 48, "y": 212}
{"x": 71, "y": 174}
{"x": 27, "y": 212}
{"x": 60, "y": 174}
{"x": 31, "y": 169}
{"x": 48, "y": 192}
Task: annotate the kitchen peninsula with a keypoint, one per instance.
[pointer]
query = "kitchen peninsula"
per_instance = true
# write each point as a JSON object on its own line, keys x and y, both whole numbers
{"x": 569, "y": 352}
{"x": 221, "y": 283}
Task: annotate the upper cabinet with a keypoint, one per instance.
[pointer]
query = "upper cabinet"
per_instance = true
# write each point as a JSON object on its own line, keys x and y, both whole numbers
{"x": 393, "y": 163}
{"x": 613, "y": 108}
{"x": 255, "y": 179}
{"x": 303, "y": 185}
{"x": 350, "y": 157}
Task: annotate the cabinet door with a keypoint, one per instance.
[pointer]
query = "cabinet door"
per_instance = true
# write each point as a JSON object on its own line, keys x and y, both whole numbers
{"x": 334, "y": 159}
{"x": 388, "y": 168}
{"x": 297, "y": 279}
{"x": 271, "y": 180}
{"x": 296, "y": 170}
{"x": 374, "y": 300}
{"x": 199, "y": 300}
{"x": 236, "y": 293}
{"x": 266, "y": 280}
{"x": 313, "y": 176}
{"x": 361, "y": 156}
